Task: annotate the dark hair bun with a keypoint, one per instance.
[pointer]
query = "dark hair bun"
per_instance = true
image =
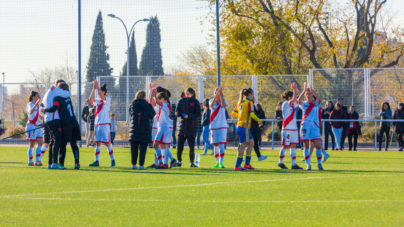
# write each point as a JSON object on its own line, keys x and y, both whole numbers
{"x": 104, "y": 86}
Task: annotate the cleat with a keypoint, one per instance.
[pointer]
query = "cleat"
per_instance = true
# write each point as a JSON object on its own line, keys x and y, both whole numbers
{"x": 308, "y": 167}
{"x": 401, "y": 149}
{"x": 38, "y": 163}
{"x": 296, "y": 167}
{"x": 249, "y": 167}
{"x": 212, "y": 153}
{"x": 204, "y": 153}
{"x": 262, "y": 158}
{"x": 134, "y": 167}
{"x": 49, "y": 166}
{"x": 141, "y": 168}
{"x": 179, "y": 164}
{"x": 192, "y": 165}
{"x": 282, "y": 166}
{"x": 57, "y": 166}
{"x": 320, "y": 167}
{"x": 152, "y": 166}
{"x": 239, "y": 168}
{"x": 31, "y": 164}
{"x": 216, "y": 166}
{"x": 77, "y": 166}
{"x": 165, "y": 166}
{"x": 96, "y": 164}
{"x": 173, "y": 163}
{"x": 113, "y": 163}
{"x": 303, "y": 160}
{"x": 325, "y": 157}
{"x": 221, "y": 165}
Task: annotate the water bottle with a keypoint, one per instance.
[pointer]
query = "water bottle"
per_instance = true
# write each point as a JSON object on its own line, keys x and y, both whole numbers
{"x": 197, "y": 158}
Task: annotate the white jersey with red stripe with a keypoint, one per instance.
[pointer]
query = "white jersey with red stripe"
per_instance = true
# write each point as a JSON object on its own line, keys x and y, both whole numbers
{"x": 102, "y": 111}
{"x": 156, "y": 110}
{"x": 218, "y": 118}
{"x": 289, "y": 113}
{"x": 311, "y": 112}
{"x": 34, "y": 117}
{"x": 163, "y": 116}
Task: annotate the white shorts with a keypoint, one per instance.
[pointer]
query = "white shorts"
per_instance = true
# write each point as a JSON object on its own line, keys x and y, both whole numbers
{"x": 164, "y": 134}
{"x": 153, "y": 133}
{"x": 309, "y": 132}
{"x": 290, "y": 137}
{"x": 33, "y": 135}
{"x": 102, "y": 133}
{"x": 218, "y": 136}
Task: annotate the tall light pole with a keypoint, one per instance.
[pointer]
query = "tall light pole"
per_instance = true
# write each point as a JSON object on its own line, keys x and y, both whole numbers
{"x": 218, "y": 43}
{"x": 127, "y": 58}
{"x": 2, "y": 95}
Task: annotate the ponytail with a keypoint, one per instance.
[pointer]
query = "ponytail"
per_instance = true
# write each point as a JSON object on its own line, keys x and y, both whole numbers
{"x": 244, "y": 93}
{"x": 240, "y": 98}
{"x": 104, "y": 88}
{"x": 31, "y": 95}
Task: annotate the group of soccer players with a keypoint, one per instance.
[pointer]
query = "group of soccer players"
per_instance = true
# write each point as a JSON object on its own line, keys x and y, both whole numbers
{"x": 62, "y": 127}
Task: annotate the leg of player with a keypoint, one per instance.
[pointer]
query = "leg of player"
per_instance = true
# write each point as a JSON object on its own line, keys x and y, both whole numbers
{"x": 156, "y": 146}
{"x": 38, "y": 151}
{"x": 221, "y": 155}
{"x": 240, "y": 155}
{"x": 165, "y": 155}
{"x": 62, "y": 154}
{"x": 306, "y": 154}
{"x": 282, "y": 153}
{"x": 111, "y": 153}
{"x": 216, "y": 150}
{"x": 319, "y": 154}
{"x": 97, "y": 154}
{"x": 43, "y": 150}
{"x": 76, "y": 153}
{"x": 191, "y": 143}
{"x": 31, "y": 153}
{"x": 247, "y": 164}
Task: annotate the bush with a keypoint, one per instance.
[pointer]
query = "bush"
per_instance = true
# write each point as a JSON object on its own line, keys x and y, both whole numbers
{"x": 277, "y": 134}
{"x": 15, "y": 130}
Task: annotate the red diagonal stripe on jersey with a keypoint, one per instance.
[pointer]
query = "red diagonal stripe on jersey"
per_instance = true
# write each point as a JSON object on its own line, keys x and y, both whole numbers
{"x": 308, "y": 110}
{"x": 215, "y": 113}
{"x": 99, "y": 108}
{"x": 290, "y": 118}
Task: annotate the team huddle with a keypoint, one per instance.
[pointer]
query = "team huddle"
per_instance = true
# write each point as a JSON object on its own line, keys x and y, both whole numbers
{"x": 61, "y": 127}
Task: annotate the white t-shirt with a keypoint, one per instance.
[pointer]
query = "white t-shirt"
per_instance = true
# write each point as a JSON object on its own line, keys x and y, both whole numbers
{"x": 163, "y": 116}
{"x": 289, "y": 113}
{"x": 34, "y": 117}
{"x": 218, "y": 118}
{"x": 311, "y": 112}
{"x": 102, "y": 111}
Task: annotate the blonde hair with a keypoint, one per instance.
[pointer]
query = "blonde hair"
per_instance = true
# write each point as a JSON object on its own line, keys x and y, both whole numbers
{"x": 140, "y": 95}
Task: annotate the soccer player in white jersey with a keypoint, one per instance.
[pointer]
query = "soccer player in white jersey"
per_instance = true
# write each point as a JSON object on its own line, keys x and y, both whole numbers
{"x": 102, "y": 122}
{"x": 218, "y": 126}
{"x": 290, "y": 135}
{"x": 34, "y": 133}
{"x": 310, "y": 126}
{"x": 164, "y": 129}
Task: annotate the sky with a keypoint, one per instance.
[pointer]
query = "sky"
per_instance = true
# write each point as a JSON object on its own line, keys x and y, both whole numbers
{"x": 43, "y": 33}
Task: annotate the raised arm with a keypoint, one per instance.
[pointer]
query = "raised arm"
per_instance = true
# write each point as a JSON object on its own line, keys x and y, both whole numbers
{"x": 316, "y": 95}
{"x": 294, "y": 97}
{"x": 300, "y": 100}
{"x": 91, "y": 98}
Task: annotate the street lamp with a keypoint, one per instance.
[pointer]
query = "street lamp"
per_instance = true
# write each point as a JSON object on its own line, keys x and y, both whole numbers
{"x": 127, "y": 60}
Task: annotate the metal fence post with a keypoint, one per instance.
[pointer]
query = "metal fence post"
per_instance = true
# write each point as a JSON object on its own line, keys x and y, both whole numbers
{"x": 323, "y": 134}
{"x": 375, "y": 134}
{"x": 272, "y": 134}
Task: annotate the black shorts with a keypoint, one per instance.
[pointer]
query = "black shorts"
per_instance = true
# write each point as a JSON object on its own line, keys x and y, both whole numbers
{"x": 46, "y": 134}
{"x": 70, "y": 130}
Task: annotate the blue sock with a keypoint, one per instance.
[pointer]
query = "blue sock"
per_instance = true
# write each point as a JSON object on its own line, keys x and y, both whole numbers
{"x": 239, "y": 161}
{"x": 159, "y": 155}
{"x": 247, "y": 159}
{"x": 307, "y": 155}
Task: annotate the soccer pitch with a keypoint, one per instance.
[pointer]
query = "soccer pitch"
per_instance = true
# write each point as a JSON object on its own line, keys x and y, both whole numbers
{"x": 356, "y": 189}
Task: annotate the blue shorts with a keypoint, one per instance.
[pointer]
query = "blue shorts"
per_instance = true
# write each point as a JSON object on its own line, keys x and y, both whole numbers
{"x": 309, "y": 132}
{"x": 243, "y": 135}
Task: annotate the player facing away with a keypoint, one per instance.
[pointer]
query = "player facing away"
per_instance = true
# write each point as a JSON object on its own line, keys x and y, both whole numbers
{"x": 290, "y": 135}
{"x": 34, "y": 136}
{"x": 46, "y": 136}
{"x": 310, "y": 126}
{"x": 164, "y": 130}
{"x": 244, "y": 111}
{"x": 102, "y": 122}
{"x": 218, "y": 126}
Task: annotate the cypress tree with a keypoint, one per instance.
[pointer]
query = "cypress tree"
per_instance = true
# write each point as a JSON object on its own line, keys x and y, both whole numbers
{"x": 151, "y": 62}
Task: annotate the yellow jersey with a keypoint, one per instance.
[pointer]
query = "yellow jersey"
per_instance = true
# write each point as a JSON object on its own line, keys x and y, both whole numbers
{"x": 244, "y": 113}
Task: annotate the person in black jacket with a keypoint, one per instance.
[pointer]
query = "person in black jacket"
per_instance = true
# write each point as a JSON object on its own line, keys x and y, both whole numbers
{"x": 346, "y": 124}
{"x": 354, "y": 128}
{"x": 261, "y": 115}
{"x": 205, "y": 125}
{"x": 299, "y": 116}
{"x": 325, "y": 114}
{"x": 256, "y": 131}
{"x": 199, "y": 129}
{"x": 278, "y": 112}
{"x": 188, "y": 111}
{"x": 141, "y": 112}
{"x": 174, "y": 117}
{"x": 399, "y": 115}
{"x": 84, "y": 115}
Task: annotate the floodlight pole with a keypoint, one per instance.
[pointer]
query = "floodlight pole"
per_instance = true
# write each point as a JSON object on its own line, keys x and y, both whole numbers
{"x": 127, "y": 58}
{"x": 218, "y": 43}
{"x": 79, "y": 66}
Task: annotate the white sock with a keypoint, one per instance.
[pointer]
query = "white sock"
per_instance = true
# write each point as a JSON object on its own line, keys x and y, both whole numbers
{"x": 97, "y": 153}
{"x": 221, "y": 146}
{"x": 159, "y": 156}
{"x": 307, "y": 155}
{"x": 293, "y": 156}
{"x": 43, "y": 150}
{"x": 216, "y": 149}
{"x": 319, "y": 155}
{"x": 282, "y": 155}
{"x": 111, "y": 152}
{"x": 165, "y": 157}
{"x": 30, "y": 155}
{"x": 168, "y": 152}
{"x": 38, "y": 153}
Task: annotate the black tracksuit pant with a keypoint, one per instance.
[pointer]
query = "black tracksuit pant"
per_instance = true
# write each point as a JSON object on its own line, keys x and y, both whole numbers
{"x": 134, "y": 151}
{"x": 400, "y": 138}
{"x": 70, "y": 128}
{"x": 384, "y": 129}
{"x": 343, "y": 135}
{"x": 352, "y": 133}
{"x": 256, "y": 146}
{"x": 191, "y": 143}
{"x": 55, "y": 130}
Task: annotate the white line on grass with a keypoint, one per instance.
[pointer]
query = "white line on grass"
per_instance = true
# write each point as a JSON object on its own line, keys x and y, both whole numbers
{"x": 192, "y": 185}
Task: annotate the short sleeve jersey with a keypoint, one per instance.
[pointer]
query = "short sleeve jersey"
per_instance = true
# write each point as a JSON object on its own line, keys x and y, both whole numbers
{"x": 163, "y": 116}
{"x": 218, "y": 116}
{"x": 289, "y": 113}
{"x": 311, "y": 112}
{"x": 34, "y": 117}
{"x": 102, "y": 111}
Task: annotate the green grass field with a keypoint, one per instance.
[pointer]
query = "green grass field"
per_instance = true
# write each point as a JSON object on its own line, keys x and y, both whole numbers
{"x": 356, "y": 189}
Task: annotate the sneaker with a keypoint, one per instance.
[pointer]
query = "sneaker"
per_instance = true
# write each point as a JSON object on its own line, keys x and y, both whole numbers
{"x": 96, "y": 163}
{"x": 31, "y": 164}
{"x": 282, "y": 166}
{"x": 38, "y": 163}
{"x": 212, "y": 153}
{"x": 192, "y": 165}
{"x": 249, "y": 167}
{"x": 113, "y": 163}
{"x": 221, "y": 165}
{"x": 239, "y": 168}
{"x": 134, "y": 167}
{"x": 152, "y": 166}
{"x": 204, "y": 153}
{"x": 401, "y": 149}
{"x": 216, "y": 166}
{"x": 173, "y": 163}
{"x": 57, "y": 166}
{"x": 179, "y": 164}
{"x": 77, "y": 166}
{"x": 320, "y": 167}
{"x": 160, "y": 167}
{"x": 262, "y": 158}
{"x": 308, "y": 167}
{"x": 325, "y": 157}
{"x": 296, "y": 167}
{"x": 337, "y": 149}
{"x": 303, "y": 160}
{"x": 49, "y": 166}
{"x": 174, "y": 147}
{"x": 141, "y": 168}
